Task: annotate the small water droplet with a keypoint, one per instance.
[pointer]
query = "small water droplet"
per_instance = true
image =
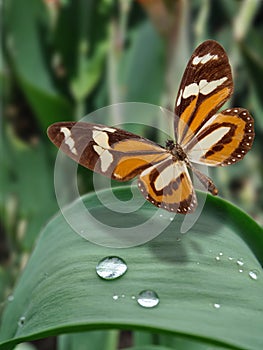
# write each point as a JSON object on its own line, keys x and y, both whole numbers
{"x": 21, "y": 321}
{"x": 111, "y": 267}
{"x": 197, "y": 263}
{"x": 230, "y": 258}
{"x": 123, "y": 295}
{"x": 240, "y": 262}
{"x": 10, "y": 298}
{"x": 172, "y": 219}
{"x": 115, "y": 297}
{"x": 133, "y": 297}
{"x": 216, "y": 306}
{"x": 240, "y": 270}
{"x": 221, "y": 254}
{"x": 148, "y": 299}
{"x": 253, "y": 274}
{"x": 217, "y": 258}
{"x": 161, "y": 215}
{"x": 178, "y": 239}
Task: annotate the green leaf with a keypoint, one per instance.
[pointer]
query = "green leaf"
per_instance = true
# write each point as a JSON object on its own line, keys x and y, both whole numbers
{"x": 142, "y": 66}
{"x": 27, "y": 181}
{"x": 27, "y": 29}
{"x": 60, "y": 292}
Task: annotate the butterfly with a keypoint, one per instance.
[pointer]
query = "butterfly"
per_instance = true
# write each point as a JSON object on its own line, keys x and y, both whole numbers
{"x": 202, "y": 135}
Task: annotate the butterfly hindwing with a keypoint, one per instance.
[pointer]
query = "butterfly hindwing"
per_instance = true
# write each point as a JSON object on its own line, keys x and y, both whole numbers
{"x": 169, "y": 186}
{"x": 224, "y": 139}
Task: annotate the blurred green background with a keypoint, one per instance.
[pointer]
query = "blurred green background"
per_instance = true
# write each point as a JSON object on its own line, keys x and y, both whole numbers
{"x": 62, "y": 59}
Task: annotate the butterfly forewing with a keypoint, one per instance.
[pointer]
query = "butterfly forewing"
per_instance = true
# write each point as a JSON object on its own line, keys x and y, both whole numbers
{"x": 113, "y": 152}
{"x": 206, "y": 85}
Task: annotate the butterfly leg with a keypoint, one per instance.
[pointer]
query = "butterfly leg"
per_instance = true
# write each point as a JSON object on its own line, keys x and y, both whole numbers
{"x": 205, "y": 180}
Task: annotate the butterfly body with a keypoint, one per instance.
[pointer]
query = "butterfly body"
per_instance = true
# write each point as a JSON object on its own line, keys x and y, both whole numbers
{"x": 202, "y": 136}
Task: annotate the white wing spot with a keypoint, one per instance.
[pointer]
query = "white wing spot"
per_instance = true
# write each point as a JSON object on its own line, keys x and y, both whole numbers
{"x": 204, "y": 87}
{"x": 207, "y": 87}
{"x": 204, "y": 59}
{"x": 98, "y": 149}
{"x": 101, "y": 138}
{"x": 106, "y": 159}
{"x": 179, "y": 98}
{"x": 68, "y": 139}
{"x": 104, "y": 128}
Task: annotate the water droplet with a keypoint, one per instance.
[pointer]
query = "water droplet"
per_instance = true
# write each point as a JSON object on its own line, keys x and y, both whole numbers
{"x": 253, "y": 274}
{"x": 172, "y": 219}
{"x": 240, "y": 262}
{"x": 133, "y": 297}
{"x": 197, "y": 263}
{"x": 216, "y": 306}
{"x": 21, "y": 321}
{"x": 217, "y": 258}
{"x": 123, "y": 295}
{"x": 161, "y": 215}
{"x": 111, "y": 267}
{"x": 221, "y": 254}
{"x": 240, "y": 270}
{"x": 230, "y": 258}
{"x": 115, "y": 297}
{"x": 148, "y": 299}
{"x": 10, "y": 298}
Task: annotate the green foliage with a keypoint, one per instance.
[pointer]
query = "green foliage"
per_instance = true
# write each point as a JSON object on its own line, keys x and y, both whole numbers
{"x": 63, "y": 59}
{"x": 59, "y": 290}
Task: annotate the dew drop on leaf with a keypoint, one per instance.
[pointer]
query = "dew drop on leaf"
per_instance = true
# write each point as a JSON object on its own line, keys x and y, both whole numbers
{"x": 216, "y": 306}
{"x": 111, "y": 267}
{"x": 240, "y": 262}
{"x": 21, "y": 321}
{"x": 253, "y": 274}
{"x": 148, "y": 299}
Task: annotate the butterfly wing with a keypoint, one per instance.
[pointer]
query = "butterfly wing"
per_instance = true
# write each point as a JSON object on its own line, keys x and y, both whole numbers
{"x": 121, "y": 155}
{"x": 113, "y": 152}
{"x": 224, "y": 139}
{"x": 169, "y": 186}
{"x": 214, "y": 139}
{"x": 206, "y": 85}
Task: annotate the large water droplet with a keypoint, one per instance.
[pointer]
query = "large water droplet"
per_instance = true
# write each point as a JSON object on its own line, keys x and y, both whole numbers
{"x": 148, "y": 298}
{"x": 21, "y": 321}
{"x": 253, "y": 274}
{"x": 240, "y": 262}
{"x": 111, "y": 267}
